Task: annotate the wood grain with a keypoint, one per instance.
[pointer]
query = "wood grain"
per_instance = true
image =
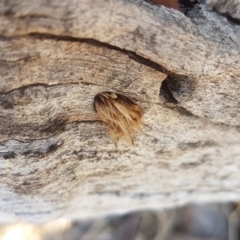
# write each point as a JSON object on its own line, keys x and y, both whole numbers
{"x": 56, "y": 156}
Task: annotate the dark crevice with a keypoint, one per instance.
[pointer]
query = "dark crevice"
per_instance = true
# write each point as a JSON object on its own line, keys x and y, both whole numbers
{"x": 8, "y": 155}
{"x": 130, "y": 54}
{"x": 33, "y": 152}
{"x": 24, "y": 87}
{"x": 188, "y": 5}
{"x": 166, "y": 93}
{"x": 185, "y": 112}
{"x": 8, "y": 13}
{"x": 57, "y": 125}
{"x": 170, "y": 85}
{"x": 4, "y": 38}
{"x": 165, "y": 89}
{"x": 229, "y": 17}
{"x": 54, "y": 134}
{"x": 180, "y": 85}
{"x": 179, "y": 109}
{"x": 147, "y": 62}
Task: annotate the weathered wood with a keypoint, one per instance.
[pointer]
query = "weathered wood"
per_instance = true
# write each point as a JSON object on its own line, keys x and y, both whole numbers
{"x": 231, "y": 7}
{"x": 183, "y": 45}
{"x": 56, "y": 157}
{"x": 163, "y": 35}
{"x": 54, "y": 84}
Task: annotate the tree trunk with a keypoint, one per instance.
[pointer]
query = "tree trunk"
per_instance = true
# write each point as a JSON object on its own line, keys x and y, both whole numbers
{"x": 56, "y": 156}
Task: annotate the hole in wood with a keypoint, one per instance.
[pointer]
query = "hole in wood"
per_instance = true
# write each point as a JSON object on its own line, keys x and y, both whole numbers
{"x": 122, "y": 116}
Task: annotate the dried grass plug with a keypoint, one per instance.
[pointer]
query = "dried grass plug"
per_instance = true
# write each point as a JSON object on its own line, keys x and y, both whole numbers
{"x": 122, "y": 115}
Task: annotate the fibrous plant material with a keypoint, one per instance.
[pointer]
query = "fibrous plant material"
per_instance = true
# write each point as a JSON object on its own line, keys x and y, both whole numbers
{"x": 122, "y": 115}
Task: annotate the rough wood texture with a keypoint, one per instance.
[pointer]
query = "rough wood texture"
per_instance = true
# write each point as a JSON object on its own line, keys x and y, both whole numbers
{"x": 231, "y": 7}
{"x": 56, "y": 157}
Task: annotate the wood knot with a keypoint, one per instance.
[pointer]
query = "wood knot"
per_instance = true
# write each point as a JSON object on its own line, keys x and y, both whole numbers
{"x": 122, "y": 116}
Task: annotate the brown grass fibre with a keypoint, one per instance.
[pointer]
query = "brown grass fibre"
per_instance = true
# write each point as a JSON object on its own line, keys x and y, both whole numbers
{"x": 122, "y": 116}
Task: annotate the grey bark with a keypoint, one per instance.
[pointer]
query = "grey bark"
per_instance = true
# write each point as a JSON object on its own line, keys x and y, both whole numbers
{"x": 56, "y": 157}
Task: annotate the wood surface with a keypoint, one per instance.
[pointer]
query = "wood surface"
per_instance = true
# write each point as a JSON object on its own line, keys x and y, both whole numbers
{"x": 56, "y": 156}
